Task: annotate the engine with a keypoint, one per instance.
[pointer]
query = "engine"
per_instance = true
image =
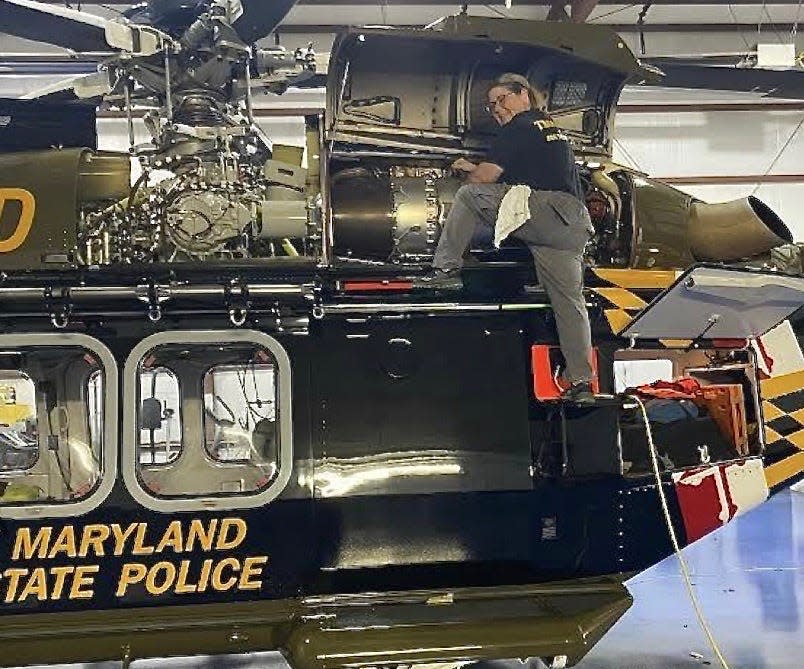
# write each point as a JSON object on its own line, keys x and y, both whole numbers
{"x": 391, "y": 213}
{"x": 221, "y": 196}
{"x": 212, "y": 185}
{"x": 205, "y": 211}
{"x": 218, "y": 193}
{"x": 607, "y": 198}
{"x": 394, "y": 213}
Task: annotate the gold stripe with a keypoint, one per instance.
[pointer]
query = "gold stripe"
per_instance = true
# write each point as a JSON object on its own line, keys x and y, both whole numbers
{"x": 797, "y": 439}
{"x": 784, "y": 469}
{"x": 617, "y": 318}
{"x": 771, "y": 411}
{"x": 771, "y": 435}
{"x": 782, "y": 385}
{"x": 620, "y": 297}
{"x": 675, "y": 343}
{"x": 798, "y": 415}
{"x": 637, "y": 278}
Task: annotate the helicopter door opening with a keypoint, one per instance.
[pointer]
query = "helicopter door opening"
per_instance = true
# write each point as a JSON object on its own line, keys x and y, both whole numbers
{"x": 717, "y": 419}
{"x": 56, "y": 457}
{"x": 213, "y": 420}
{"x": 711, "y": 315}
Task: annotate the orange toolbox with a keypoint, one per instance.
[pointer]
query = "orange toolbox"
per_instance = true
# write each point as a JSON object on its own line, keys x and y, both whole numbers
{"x": 545, "y": 361}
{"x": 726, "y": 406}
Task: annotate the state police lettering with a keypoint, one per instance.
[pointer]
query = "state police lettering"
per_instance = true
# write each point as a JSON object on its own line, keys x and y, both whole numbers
{"x": 77, "y": 581}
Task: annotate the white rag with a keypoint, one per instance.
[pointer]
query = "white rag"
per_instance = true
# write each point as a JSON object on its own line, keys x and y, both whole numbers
{"x": 514, "y": 211}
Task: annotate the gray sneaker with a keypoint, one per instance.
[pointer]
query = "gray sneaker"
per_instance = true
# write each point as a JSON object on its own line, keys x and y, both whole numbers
{"x": 579, "y": 393}
{"x": 439, "y": 278}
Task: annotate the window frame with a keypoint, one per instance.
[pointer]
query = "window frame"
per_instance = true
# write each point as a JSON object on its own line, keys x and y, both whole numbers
{"x": 108, "y": 454}
{"x": 283, "y": 412}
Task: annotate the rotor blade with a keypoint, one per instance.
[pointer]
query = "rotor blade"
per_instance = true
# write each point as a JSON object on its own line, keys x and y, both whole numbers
{"x": 261, "y": 17}
{"x": 86, "y": 87}
{"x": 58, "y": 90}
{"x": 52, "y": 24}
{"x": 710, "y": 58}
{"x": 788, "y": 84}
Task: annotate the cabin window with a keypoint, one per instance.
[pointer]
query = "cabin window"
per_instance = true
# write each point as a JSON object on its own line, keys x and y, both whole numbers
{"x": 19, "y": 446}
{"x": 212, "y": 426}
{"x": 55, "y": 447}
{"x": 239, "y": 410}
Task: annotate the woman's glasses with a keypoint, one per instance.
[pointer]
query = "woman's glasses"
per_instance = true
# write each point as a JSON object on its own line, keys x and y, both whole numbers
{"x": 491, "y": 106}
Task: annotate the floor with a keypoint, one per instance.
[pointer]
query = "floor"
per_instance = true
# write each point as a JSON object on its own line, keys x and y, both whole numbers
{"x": 750, "y": 579}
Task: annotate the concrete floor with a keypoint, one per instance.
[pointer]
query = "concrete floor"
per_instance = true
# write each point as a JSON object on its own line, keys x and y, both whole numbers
{"x": 748, "y": 575}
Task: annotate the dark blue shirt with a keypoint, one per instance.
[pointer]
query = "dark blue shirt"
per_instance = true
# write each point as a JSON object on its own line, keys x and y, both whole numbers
{"x": 533, "y": 151}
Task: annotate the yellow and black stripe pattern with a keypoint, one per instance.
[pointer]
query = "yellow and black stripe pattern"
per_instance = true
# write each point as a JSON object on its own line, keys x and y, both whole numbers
{"x": 783, "y": 411}
{"x": 628, "y": 291}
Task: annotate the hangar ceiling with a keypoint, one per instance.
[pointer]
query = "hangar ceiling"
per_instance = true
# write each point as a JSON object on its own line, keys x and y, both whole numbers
{"x": 715, "y": 29}
{"x": 740, "y": 21}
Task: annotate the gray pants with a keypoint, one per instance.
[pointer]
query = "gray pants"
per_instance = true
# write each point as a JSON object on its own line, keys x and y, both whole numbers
{"x": 556, "y": 234}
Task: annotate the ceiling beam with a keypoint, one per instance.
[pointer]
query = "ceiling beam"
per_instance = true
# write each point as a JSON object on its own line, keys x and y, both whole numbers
{"x": 581, "y": 9}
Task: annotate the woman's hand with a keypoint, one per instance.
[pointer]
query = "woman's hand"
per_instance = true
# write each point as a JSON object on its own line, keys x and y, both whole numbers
{"x": 463, "y": 165}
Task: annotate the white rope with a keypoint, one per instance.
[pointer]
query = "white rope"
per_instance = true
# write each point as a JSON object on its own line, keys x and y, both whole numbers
{"x": 634, "y": 163}
{"x": 794, "y": 30}
{"x": 613, "y": 11}
{"x": 737, "y": 25}
{"x": 685, "y": 572}
{"x": 778, "y": 155}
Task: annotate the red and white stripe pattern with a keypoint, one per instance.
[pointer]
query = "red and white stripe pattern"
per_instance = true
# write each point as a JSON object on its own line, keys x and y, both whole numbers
{"x": 711, "y": 496}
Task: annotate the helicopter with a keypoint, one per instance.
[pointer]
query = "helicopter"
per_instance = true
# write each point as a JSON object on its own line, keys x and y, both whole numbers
{"x": 233, "y": 423}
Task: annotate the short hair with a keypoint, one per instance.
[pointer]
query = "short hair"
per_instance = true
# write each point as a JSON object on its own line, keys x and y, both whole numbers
{"x": 516, "y": 83}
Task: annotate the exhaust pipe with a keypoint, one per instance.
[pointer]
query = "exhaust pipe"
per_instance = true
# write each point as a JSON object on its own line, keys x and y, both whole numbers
{"x": 734, "y": 230}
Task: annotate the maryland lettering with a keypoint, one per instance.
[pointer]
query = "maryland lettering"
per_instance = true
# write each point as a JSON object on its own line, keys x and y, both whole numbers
{"x": 182, "y": 576}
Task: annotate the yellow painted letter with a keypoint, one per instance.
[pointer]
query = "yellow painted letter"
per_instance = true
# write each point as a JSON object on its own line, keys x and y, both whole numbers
{"x": 27, "y": 211}
{"x": 64, "y": 543}
{"x": 23, "y": 546}
{"x": 93, "y": 535}
{"x": 252, "y": 568}
{"x": 239, "y": 526}
{"x": 133, "y": 572}
{"x": 83, "y": 576}
{"x": 217, "y": 574}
